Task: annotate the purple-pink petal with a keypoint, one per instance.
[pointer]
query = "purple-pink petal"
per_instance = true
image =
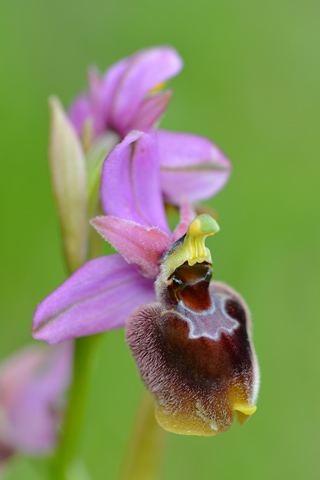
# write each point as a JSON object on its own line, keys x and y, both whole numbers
{"x": 79, "y": 111}
{"x": 94, "y": 86}
{"x": 83, "y": 110}
{"x": 32, "y": 384}
{"x": 130, "y": 183}
{"x": 109, "y": 86}
{"x": 97, "y": 297}
{"x": 146, "y": 69}
{"x": 151, "y": 109}
{"x": 192, "y": 167}
{"x": 126, "y": 97}
{"x": 137, "y": 244}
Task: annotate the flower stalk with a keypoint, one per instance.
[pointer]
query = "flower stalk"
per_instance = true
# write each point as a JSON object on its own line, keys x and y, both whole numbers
{"x": 66, "y": 455}
{"x": 144, "y": 456}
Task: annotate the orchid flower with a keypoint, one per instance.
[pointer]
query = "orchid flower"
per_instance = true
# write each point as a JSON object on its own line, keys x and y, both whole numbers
{"x": 129, "y": 95}
{"x": 102, "y": 293}
{"x": 190, "y": 338}
{"x": 126, "y": 99}
{"x": 159, "y": 286}
{"x": 32, "y": 384}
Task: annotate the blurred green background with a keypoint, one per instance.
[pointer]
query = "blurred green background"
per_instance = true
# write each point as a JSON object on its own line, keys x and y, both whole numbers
{"x": 251, "y": 84}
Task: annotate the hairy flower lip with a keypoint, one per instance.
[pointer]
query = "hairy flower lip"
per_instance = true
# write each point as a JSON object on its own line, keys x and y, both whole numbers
{"x": 194, "y": 396}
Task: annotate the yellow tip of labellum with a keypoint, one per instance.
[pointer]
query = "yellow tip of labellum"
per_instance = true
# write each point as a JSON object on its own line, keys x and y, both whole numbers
{"x": 244, "y": 411}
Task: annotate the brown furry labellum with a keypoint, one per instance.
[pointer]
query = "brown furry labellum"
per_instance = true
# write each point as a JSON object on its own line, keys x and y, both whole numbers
{"x": 194, "y": 352}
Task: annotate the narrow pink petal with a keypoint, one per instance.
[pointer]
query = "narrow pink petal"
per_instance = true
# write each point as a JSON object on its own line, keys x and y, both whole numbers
{"x": 137, "y": 244}
{"x": 187, "y": 214}
{"x": 192, "y": 167}
{"x": 32, "y": 384}
{"x": 150, "y": 111}
{"x": 97, "y": 297}
{"x": 109, "y": 86}
{"x": 94, "y": 86}
{"x": 82, "y": 110}
{"x": 130, "y": 183}
{"x": 146, "y": 69}
{"x": 79, "y": 110}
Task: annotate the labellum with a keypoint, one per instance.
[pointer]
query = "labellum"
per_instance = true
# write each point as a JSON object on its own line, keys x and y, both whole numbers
{"x": 193, "y": 345}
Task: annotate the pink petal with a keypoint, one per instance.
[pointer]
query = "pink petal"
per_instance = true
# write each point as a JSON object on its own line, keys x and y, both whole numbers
{"x": 97, "y": 297}
{"x": 82, "y": 110}
{"x": 32, "y": 383}
{"x": 138, "y": 245}
{"x": 94, "y": 86}
{"x": 130, "y": 184}
{"x": 109, "y": 86}
{"x": 79, "y": 110}
{"x": 146, "y": 69}
{"x": 192, "y": 167}
{"x": 150, "y": 111}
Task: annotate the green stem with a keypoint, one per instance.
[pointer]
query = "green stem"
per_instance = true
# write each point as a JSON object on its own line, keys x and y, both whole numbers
{"x": 144, "y": 457}
{"x": 65, "y": 457}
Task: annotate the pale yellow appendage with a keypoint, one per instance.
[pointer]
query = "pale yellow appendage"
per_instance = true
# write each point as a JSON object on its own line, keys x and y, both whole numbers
{"x": 193, "y": 249}
{"x": 244, "y": 411}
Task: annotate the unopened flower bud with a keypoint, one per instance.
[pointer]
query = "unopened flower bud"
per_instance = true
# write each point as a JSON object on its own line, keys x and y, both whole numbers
{"x": 69, "y": 182}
